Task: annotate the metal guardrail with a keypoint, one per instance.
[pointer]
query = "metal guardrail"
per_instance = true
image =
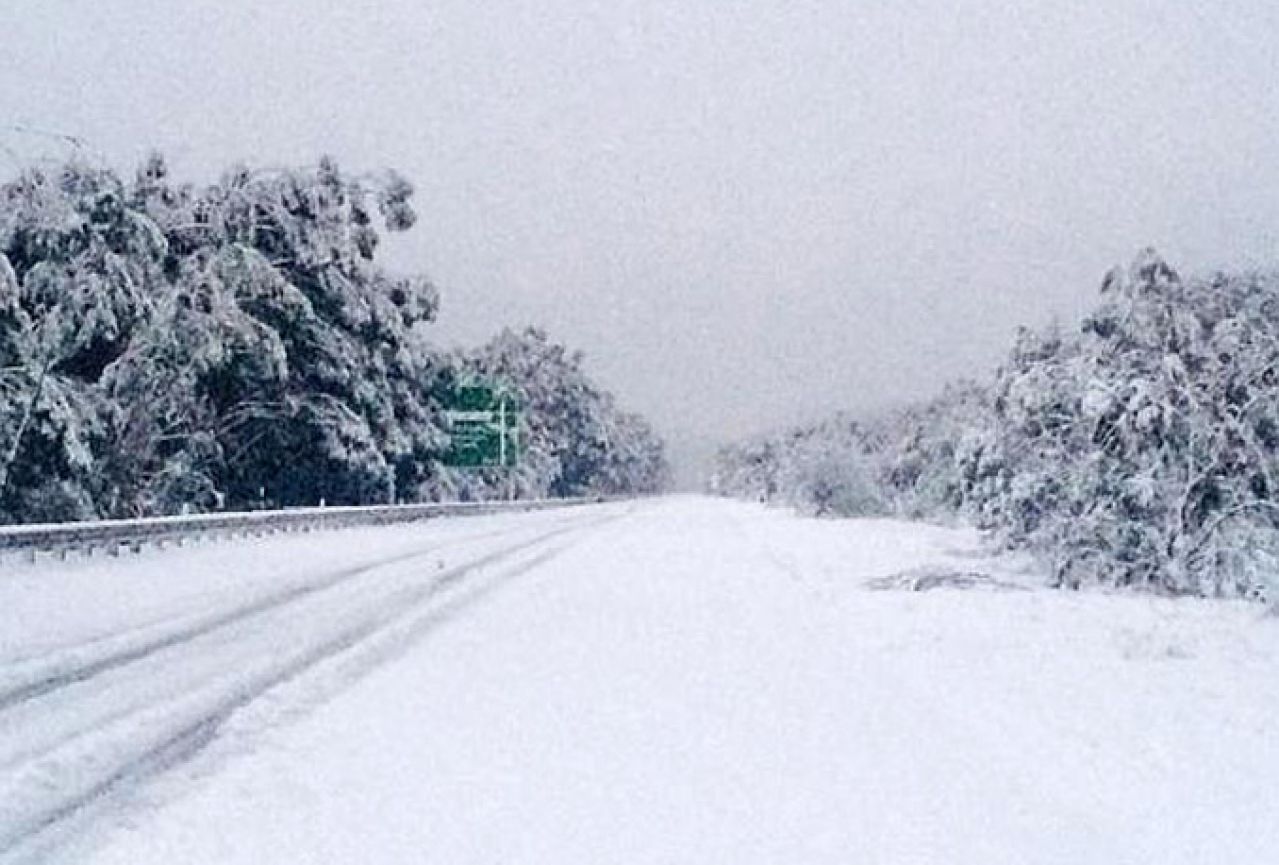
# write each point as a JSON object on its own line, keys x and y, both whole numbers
{"x": 112, "y": 536}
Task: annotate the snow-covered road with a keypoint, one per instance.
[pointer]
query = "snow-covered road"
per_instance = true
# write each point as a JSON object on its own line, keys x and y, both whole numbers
{"x": 103, "y": 715}
{"x": 678, "y": 680}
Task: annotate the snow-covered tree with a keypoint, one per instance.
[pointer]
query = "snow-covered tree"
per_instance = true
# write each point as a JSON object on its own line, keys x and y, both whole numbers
{"x": 932, "y": 457}
{"x": 574, "y": 438}
{"x": 79, "y": 268}
{"x": 166, "y": 347}
{"x": 319, "y": 396}
{"x": 826, "y": 469}
{"x": 1141, "y": 450}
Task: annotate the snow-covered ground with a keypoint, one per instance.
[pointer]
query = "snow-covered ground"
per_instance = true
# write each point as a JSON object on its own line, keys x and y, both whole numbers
{"x": 677, "y": 680}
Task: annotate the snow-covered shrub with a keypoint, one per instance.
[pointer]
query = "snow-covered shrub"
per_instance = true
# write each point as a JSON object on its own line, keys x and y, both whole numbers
{"x": 825, "y": 469}
{"x": 1140, "y": 451}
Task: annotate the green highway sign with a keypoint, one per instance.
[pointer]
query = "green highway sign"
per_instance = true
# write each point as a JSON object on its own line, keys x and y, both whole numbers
{"x": 483, "y": 426}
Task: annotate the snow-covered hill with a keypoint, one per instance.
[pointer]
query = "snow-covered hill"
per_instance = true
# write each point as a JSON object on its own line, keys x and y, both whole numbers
{"x": 677, "y": 680}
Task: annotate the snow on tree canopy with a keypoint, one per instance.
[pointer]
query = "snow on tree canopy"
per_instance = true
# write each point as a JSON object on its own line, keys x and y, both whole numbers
{"x": 1141, "y": 450}
{"x": 165, "y": 347}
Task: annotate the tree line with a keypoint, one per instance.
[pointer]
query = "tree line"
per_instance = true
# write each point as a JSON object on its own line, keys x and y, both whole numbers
{"x": 1138, "y": 449}
{"x": 167, "y": 347}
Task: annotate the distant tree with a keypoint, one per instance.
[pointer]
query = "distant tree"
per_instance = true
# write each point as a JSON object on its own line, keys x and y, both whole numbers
{"x": 932, "y": 456}
{"x": 826, "y": 469}
{"x": 575, "y": 441}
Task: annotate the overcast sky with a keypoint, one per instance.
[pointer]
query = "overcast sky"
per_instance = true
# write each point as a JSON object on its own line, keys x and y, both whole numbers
{"x": 744, "y": 212}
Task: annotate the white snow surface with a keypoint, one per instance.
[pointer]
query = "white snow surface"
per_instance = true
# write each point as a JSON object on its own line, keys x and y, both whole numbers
{"x": 681, "y": 680}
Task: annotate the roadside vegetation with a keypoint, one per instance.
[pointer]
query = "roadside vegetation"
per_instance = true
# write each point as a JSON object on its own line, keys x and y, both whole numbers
{"x": 168, "y": 348}
{"x": 1138, "y": 449}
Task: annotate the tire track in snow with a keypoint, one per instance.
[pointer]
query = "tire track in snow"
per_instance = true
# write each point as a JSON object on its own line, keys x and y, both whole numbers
{"x": 77, "y": 713}
{"x": 61, "y": 783}
{"x": 47, "y": 674}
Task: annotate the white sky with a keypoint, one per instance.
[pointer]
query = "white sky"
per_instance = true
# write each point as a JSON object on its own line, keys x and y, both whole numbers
{"x": 744, "y": 212}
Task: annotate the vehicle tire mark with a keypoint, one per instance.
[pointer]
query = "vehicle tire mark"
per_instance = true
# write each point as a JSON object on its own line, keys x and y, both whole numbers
{"x": 390, "y": 601}
{"x": 41, "y": 684}
{"x": 193, "y": 737}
